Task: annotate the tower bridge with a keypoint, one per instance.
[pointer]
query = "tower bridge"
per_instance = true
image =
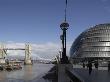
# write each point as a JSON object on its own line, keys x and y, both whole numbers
{"x": 27, "y": 49}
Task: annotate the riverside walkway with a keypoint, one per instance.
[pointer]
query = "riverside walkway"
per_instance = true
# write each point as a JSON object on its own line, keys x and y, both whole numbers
{"x": 100, "y": 75}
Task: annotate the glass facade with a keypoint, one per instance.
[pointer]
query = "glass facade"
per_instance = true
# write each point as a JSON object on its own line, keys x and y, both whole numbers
{"x": 93, "y": 42}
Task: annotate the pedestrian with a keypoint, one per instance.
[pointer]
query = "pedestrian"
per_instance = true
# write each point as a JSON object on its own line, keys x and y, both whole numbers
{"x": 90, "y": 67}
{"x": 83, "y": 65}
{"x": 96, "y": 65}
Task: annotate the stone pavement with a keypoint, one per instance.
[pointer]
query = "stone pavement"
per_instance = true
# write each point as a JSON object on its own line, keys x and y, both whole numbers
{"x": 62, "y": 76}
{"x": 100, "y": 75}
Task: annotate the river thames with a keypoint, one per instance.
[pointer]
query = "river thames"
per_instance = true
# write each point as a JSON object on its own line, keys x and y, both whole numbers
{"x": 29, "y": 73}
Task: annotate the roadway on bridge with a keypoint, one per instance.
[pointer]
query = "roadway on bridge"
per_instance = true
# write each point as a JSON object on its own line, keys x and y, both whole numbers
{"x": 100, "y": 75}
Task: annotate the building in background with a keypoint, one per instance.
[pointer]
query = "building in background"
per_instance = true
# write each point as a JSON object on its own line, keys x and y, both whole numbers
{"x": 93, "y": 43}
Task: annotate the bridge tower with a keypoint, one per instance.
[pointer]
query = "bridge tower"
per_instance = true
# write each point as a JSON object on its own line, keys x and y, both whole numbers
{"x": 27, "y": 60}
{"x": 2, "y": 53}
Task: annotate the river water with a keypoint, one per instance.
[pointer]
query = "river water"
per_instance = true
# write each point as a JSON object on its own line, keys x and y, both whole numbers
{"x": 29, "y": 73}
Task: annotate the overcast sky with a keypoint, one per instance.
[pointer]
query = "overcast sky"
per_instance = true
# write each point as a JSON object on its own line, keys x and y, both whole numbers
{"x": 38, "y": 21}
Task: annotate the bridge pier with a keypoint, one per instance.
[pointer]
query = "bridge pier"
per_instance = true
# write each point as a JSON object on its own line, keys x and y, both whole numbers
{"x": 27, "y": 60}
{"x": 2, "y": 54}
{"x": 2, "y": 61}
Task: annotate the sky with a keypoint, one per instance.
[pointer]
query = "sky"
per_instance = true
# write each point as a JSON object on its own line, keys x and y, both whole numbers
{"x": 38, "y": 22}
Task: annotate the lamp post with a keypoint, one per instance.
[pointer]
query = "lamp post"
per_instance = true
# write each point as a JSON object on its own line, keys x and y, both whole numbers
{"x": 64, "y": 26}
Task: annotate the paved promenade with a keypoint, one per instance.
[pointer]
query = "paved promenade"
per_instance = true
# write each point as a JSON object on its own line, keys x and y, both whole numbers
{"x": 62, "y": 76}
{"x": 100, "y": 75}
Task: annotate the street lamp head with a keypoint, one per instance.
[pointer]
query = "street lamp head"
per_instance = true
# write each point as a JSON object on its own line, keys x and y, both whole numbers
{"x": 60, "y": 51}
{"x": 61, "y": 37}
{"x": 64, "y": 25}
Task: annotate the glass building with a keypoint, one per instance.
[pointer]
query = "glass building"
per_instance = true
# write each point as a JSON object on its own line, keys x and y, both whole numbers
{"x": 92, "y": 43}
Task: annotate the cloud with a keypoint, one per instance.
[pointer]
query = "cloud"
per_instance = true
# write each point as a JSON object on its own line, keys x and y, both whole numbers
{"x": 39, "y": 51}
{"x": 47, "y": 50}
